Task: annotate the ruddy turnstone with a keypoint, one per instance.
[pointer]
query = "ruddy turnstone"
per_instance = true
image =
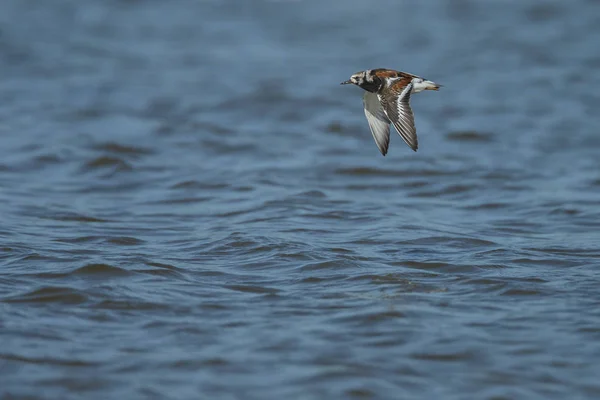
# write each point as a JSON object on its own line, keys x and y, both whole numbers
{"x": 386, "y": 101}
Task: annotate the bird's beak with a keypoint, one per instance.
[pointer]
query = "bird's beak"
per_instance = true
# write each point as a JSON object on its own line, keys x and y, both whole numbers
{"x": 431, "y": 85}
{"x": 346, "y": 82}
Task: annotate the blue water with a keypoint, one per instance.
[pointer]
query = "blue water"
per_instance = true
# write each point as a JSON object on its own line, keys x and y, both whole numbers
{"x": 193, "y": 207}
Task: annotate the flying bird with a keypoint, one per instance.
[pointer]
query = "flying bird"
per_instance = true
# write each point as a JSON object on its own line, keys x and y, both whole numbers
{"x": 387, "y": 101}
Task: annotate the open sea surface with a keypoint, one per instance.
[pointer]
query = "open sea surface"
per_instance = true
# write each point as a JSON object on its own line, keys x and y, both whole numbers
{"x": 193, "y": 208}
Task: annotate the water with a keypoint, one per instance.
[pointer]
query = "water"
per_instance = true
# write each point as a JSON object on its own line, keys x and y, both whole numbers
{"x": 192, "y": 207}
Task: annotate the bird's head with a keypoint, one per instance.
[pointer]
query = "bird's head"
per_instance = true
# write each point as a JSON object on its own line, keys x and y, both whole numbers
{"x": 420, "y": 84}
{"x": 357, "y": 79}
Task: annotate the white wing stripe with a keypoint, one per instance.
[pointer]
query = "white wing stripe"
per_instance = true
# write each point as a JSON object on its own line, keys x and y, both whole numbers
{"x": 405, "y": 125}
{"x": 378, "y": 121}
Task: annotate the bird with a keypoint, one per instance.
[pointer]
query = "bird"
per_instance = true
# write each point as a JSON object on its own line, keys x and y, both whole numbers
{"x": 387, "y": 101}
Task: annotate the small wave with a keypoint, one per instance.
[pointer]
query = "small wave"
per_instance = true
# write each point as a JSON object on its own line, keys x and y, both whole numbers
{"x": 487, "y": 206}
{"x": 125, "y": 241}
{"x": 193, "y": 184}
{"x": 545, "y": 262}
{"x": 472, "y": 136}
{"x": 184, "y": 200}
{"x": 565, "y": 211}
{"x": 252, "y": 289}
{"x": 373, "y": 317}
{"x": 595, "y": 182}
{"x": 311, "y": 194}
{"x": 112, "y": 147}
{"x": 544, "y": 12}
{"x": 50, "y": 294}
{"x": 336, "y": 127}
{"x": 194, "y": 364}
{"x": 224, "y": 147}
{"x": 329, "y": 264}
{"x": 425, "y": 265}
{"x": 369, "y": 171}
{"x": 47, "y": 159}
{"x": 446, "y": 356}
{"x": 46, "y": 361}
{"x": 103, "y": 162}
{"x": 521, "y": 292}
{"x": 579, "y": 252}
{"x": 74, "y": 217}
{"x": 452, "y": 241}
{"x": 163, "y": 270}
{"x": 129, "y": 304}
{"x": 448, "y": 190}
{"x": 80, "y": 239}
{"x": 100, "y": 269}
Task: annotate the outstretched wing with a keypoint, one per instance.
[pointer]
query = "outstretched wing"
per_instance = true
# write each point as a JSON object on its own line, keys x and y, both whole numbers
{"x": 396, "y": 102}
{"x": 378, "y": 121}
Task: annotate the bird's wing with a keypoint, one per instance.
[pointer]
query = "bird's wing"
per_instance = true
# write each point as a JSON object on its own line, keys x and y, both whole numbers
{"x": 378, "y": 121}
{"x": 395, "y": 101}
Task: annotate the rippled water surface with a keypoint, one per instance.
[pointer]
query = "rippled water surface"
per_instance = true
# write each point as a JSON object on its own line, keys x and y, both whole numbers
{"x": 192, "y": 207}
